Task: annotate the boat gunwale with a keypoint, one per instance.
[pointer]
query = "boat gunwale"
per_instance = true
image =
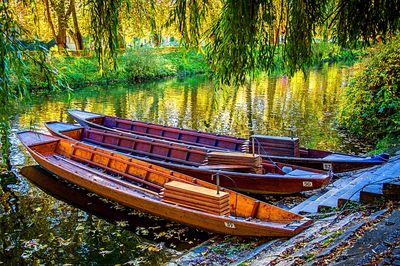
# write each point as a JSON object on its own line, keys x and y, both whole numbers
{"x": 259, "y": 223}
{"x": 320, "y": 174}
{"x": 364, "y": 161}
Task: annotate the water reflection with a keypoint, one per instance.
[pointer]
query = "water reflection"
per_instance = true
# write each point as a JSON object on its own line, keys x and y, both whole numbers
{"x": 136, "y": 221}
{"x": 277, "y": 106}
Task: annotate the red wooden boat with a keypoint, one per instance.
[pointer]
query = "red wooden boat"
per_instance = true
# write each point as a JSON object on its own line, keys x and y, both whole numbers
{"x": 140, "y": 185}
{"x": 269, "y": 178}
{"x": 279, "y": 149}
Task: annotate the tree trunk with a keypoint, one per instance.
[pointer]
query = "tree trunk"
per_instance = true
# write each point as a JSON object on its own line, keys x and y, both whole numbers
{"x": 76, "y": 36}
{"x": 49, "y": 20}
{"x": 157, "y": 39}
{"x": 62, "y": 39}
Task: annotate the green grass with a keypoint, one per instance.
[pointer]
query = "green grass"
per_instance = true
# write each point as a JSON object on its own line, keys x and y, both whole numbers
{"x": 134, "y": 65}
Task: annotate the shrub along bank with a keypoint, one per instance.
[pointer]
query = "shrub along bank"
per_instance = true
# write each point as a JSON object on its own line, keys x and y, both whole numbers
{"x": 136, "y": 65}
{"x": 371, "y": 104}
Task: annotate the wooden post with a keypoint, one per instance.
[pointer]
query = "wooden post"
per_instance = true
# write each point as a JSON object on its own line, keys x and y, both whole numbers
{"x": 216, "y": 181}
{"x": 253, "y": 144}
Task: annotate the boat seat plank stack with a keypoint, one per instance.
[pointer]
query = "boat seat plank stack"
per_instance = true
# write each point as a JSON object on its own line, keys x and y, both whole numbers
{"x": 197, "y": 198}
{"x": 235, "y": 160}
{"x": 276, "y": 146}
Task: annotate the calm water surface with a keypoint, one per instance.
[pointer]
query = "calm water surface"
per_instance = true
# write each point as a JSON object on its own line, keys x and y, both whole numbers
{"x": 66, "y": 224}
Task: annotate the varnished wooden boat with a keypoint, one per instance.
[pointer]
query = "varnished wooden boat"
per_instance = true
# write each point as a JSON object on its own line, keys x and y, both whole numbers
{"x": 272, "y": 178}
{"x": 279, "y": 149}
{"x": 82, "y": 199}
{"x": 139, "y": 185}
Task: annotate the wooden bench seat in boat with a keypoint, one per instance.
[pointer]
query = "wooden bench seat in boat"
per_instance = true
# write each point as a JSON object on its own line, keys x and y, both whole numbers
{"x": 195, "y": 197}
{"x": 275, "y": 145}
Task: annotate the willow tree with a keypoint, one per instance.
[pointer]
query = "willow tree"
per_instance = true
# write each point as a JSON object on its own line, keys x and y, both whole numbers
{"x": 241, "y": 41}
{"x": 14, "y": 81}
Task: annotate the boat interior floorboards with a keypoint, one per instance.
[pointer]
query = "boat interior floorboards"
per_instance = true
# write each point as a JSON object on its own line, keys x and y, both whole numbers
{"x": 93, "y": 173}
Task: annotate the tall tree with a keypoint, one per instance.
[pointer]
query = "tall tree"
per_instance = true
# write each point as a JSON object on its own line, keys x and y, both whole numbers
{"x": 76, "y": 35}
{"x": 62, "y": 9}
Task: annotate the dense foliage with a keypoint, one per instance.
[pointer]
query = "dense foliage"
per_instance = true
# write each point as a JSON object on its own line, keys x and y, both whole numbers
{"x": 371, "y": 104}
{"x": 246, "y": 35}
{"x": 135, "y": 65}
{"x": 14, "y": 81}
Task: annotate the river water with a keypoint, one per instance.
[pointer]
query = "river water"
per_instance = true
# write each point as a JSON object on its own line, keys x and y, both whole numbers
{"x": 66, "y": 224}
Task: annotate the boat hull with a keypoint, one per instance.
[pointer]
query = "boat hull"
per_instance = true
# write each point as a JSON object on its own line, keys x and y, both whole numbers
{"x": 198, "y": 219}
{"x": 311, "y": 158}
{"x": 268, "y": 183}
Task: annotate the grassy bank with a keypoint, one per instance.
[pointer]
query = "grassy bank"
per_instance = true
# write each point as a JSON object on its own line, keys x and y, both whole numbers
{"x": 137, "y": 65}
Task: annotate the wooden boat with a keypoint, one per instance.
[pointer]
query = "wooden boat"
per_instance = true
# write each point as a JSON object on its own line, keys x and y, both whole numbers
{"x": 140, "y": 185}
{"x": 60, "y": 189}
{"x": 263, "y": 178}
{"x": 279, "y": 149}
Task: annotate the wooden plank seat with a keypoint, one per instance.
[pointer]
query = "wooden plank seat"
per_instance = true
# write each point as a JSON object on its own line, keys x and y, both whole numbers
{"x": 124, "y": 168}
{"x": 223, "y": 213}
{"x": 225, "y": 166}
{"x": 234, "y": 160}
{"x": 197, "y": 198}
{"x": 194, "y": 197}
{"x": 191, "y": 199}
{"x": 93, "y": 173}
{"x": 275, "y": 145}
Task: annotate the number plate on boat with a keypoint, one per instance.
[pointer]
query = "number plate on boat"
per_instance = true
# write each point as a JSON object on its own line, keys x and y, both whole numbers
{"x": 327, "y": 166}
{"x": 307, "y": 184}
{"x": 230, "y": 225}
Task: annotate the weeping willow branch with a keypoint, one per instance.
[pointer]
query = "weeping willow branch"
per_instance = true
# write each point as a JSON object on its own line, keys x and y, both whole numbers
{"x": 189, "y": 15}
{"x": 365, "y": 21}
{"x": 104, "y": 30}
{"x": 241, "y": 42}
{"x": 14, "y": 81}
{"x": 304, "y": 17}
{"x": 241, "y": 39}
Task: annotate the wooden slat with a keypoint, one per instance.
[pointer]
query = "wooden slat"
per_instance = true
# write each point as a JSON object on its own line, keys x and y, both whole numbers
{"x": 224, "y": 166}
{"x": 137, "y": 179}
{"x": 234, "y": 158}
{"x": 196, "y": 190}
{"x": 226, "y": 212}
{"x": 221, "y": 209}
{"x": 181, "y": 194}
{"x": 160, "y": 144}
{"x": 201, "y": 202}
{"x": 108, "y": 177}
{"x": 255, "y": 208}
{"x": 165, "y": 175}
{"x": 144, "y": 153}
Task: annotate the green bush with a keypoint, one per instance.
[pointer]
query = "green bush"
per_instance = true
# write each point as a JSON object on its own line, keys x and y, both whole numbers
{"x": 371, "y": 103}
{"x": 135, "y": 65}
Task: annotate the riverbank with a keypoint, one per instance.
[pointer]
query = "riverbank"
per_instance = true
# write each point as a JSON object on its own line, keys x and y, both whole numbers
{"x": 133, "y": 66}
{"x": 144, "y": 64}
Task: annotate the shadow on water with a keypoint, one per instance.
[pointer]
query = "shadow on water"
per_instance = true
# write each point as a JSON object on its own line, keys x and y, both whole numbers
{"x": 70, "y": 221}
{"x": 113, "y": 212}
